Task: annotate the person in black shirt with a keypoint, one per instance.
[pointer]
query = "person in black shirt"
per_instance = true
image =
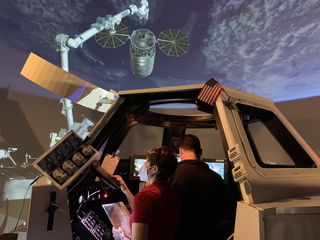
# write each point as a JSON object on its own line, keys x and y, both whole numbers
{"x": 202, "y": 194}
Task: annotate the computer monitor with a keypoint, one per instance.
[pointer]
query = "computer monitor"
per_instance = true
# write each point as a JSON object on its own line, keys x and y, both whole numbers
{"x": 217, "y": 166}
{"x": 136, "y": 162}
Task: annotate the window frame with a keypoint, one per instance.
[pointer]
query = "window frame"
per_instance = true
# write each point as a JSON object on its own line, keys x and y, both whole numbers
{"x": 280, "y": 132}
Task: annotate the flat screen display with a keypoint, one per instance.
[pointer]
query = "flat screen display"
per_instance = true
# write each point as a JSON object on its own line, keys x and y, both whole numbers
{"x": 217, "y": 167}
{"x": 136, "y": 162}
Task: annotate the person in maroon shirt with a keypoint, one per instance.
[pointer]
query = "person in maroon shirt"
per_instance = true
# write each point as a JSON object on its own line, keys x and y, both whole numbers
{"x": 156, "y": 208}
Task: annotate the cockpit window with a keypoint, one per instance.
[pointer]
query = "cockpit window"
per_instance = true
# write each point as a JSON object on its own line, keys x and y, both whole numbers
{"x": 140, "y": 139}
{"x": 174, "y": 106}
{"x": 270, "y": 150}
{"x": 211, "y": 142}
{"x": 177, "y": 109}
{"x": 272, "y": 144}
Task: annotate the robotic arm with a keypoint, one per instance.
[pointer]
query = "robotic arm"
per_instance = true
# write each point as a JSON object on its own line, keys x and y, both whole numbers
{"x": 5, "y": 153}
{"x": 109, "y": 22}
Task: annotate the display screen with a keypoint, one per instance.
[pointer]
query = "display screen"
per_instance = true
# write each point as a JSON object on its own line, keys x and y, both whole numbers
{"x": 137, "y": 165}
{"x": 217, "y": 167}
{"x": 136, "y": 162}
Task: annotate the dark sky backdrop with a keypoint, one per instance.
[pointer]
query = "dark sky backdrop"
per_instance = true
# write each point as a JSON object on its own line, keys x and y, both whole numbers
{"x": 267, "y": 47}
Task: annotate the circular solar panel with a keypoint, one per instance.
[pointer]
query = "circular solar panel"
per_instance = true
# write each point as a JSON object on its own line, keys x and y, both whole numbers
{"x": 113, "y": 39}
{"x": 173, "y": 42}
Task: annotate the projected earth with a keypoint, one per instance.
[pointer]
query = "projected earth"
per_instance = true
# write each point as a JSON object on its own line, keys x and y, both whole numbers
{"x": 217, "y": 167}
{"x": 270, "y": 48}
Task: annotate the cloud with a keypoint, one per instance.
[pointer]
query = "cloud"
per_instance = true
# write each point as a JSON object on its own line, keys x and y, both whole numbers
{"x": 265, "y": 46}
{"x": 90, "y": 56}
{"x": 188, "y": 28}
{"x": 41, "y": 20}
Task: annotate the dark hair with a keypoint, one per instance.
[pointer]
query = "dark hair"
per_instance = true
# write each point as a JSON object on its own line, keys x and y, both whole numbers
{"x": 192, "y": 143}
{"x": 165, "y": 160}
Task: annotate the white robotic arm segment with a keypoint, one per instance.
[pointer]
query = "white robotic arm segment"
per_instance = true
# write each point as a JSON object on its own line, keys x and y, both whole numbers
{"x": 67, "y": 111}
{"x": 102, "y": 23}
{"x": 80, "y": 39}
{"x": 143, "y": 11}
{"x": 5, "y": 153}
{"x": 61, "y": 39}
{"x": 133, "y": 8}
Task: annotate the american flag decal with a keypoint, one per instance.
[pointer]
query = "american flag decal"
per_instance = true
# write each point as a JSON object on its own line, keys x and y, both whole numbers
{"x": 210, "y": 92}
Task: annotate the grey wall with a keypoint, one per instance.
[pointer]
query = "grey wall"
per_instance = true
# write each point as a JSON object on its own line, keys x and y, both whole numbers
{"x": 27, "y": 120}
{"x": 304, "y": 115}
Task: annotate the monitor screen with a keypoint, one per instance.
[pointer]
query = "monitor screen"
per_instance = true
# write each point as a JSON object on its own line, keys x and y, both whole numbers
{"x": 136, "y": 162}
{"x": 217, "y": 167}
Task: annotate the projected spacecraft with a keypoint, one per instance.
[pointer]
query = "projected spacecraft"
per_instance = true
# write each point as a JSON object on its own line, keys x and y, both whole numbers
{"x": 109, "y": 32}
{"x": 143, "y": 45}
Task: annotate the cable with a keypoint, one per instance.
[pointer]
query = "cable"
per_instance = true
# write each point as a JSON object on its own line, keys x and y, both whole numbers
{"x": 230, "y": 237}
{"x": 23, "y": 203}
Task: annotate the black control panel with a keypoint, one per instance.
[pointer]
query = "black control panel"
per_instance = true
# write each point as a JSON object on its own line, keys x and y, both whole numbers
{"x": 97, "y": 227}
